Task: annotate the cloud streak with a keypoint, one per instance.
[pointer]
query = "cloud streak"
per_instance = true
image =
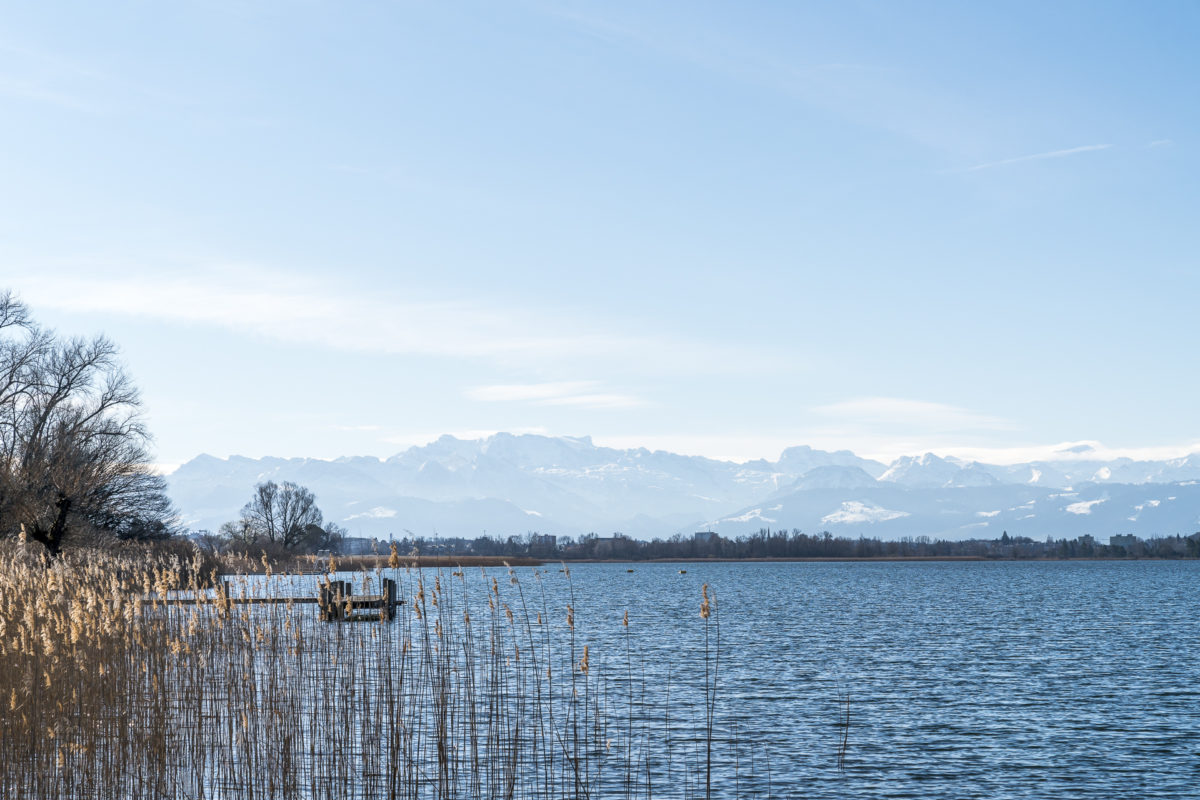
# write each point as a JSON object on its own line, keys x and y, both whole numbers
{"x": 296, "y": 310}
{"x": 580, "y": 394}
{"x": 44, "y": 77}
{"x": 911, "y": 414}
{"x": 1070, "y": 151}
{"x": 291, "y": 309}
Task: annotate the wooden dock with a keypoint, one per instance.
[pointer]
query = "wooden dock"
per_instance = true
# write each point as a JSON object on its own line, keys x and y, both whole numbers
{"x": 339, "y": 604}
{"x": 335, "y": 600}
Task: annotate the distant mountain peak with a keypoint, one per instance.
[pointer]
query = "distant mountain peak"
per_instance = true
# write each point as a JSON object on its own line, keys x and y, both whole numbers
{"x": 465, "y": 486}
{"x": 834, "y": 477}
{"x": 926, "y": 470}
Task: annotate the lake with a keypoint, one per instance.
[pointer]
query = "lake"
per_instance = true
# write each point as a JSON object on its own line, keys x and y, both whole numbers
{"x": 833, "y": 680}
{"x": 970, "y": 679}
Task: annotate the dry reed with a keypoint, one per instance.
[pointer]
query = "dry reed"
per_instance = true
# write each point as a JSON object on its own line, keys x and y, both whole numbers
{"x": 122, "y": 679}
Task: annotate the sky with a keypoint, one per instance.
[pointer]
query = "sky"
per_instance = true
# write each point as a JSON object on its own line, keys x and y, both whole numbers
{"x": 323, "y": 229}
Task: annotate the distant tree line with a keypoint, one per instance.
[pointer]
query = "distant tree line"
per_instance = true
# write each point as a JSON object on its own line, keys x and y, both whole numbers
{"x": 783, "y": 544}
{"x": 74, "y": 462}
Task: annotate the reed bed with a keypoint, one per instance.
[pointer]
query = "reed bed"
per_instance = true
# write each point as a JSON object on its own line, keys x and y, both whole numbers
{"x": 122, "y": 679}
{"x": 250, "y": 564}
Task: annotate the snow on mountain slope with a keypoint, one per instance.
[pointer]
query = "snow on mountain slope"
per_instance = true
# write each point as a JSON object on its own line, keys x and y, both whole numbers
{"x": 890, "y": 511}
{"x": 856, "y": 512}
{"x": 803, "y": 459}
{"x": 571, "y": 486}
{"x": 972, "y": 475}
{"x": 921, "y": 471}
{"x": 582, "y": 486}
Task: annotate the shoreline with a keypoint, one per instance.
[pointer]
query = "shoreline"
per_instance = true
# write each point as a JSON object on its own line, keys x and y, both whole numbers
{"x": 865, "y": 559}
{"x": 311, "y": 566}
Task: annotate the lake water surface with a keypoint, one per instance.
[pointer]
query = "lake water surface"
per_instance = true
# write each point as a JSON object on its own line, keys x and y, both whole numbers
{"x": 965, "y": 680}
{"x": 961, "y": 679}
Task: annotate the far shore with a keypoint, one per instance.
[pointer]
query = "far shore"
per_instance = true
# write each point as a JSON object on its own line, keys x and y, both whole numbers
{"x": 320, "y": 565}
{"x": 314, "y": 565}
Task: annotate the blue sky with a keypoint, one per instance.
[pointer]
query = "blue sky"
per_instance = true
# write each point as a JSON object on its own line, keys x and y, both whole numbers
{"x": 329, "y": 229}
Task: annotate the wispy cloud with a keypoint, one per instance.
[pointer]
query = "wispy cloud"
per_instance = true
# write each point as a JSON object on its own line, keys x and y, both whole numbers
{"x": 291, "y": 308}
{"x": 581, "y": 394}
{"x": 911, "y": 414}
{"x": 41, "y": 76}
{"x": 378, "y": 512}
{"x": 1070, "y": 151}
{"x": 1067, "y": 452}
{"x": 25, "y": 89}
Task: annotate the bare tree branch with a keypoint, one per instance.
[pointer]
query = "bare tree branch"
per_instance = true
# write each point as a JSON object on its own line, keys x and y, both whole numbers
{"x": 286, "y": 515}
{"x": 73, "y": 448}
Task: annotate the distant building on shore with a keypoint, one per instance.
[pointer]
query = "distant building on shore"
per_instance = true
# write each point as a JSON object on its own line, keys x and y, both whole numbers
{"x": 614, "y": 546}
{"x": 1131, "y": 544}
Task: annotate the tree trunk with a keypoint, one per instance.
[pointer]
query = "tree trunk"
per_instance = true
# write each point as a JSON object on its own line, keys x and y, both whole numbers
{"x": 52, "y": 538}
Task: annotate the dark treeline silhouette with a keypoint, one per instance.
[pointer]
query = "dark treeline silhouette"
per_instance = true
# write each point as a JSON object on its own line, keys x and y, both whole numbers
{"x": 74, "y": 459}
{"x": 783, "y": 544}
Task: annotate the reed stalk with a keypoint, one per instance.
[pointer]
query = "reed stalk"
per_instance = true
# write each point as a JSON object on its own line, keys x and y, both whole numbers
{"x": 126, "y": 678}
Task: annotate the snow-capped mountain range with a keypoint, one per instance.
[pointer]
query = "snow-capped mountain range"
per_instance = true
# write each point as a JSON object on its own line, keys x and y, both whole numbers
{"x": 508, "y": 484}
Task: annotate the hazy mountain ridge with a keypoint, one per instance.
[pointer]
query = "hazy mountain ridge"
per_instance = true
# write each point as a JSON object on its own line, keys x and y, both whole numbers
{"x": 891, "y": 511}
{"x": 508, "y": 484}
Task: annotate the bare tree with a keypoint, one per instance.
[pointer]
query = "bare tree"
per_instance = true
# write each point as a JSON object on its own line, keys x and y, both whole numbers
{"x": 260, "y": 520}
{"x": 238, "y": 533}
{"x": 285, "y": 514}
{"x": 73, "y": 457}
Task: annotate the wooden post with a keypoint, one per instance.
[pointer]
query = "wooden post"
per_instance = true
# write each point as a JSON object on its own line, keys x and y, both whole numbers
{"x": 389, "y": 599}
